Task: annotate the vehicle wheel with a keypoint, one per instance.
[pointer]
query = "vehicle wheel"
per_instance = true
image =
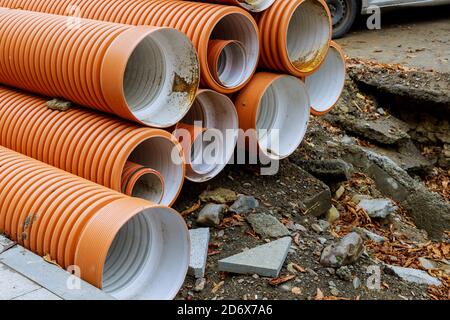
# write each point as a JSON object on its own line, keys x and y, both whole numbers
{"x": 344, "y": 14}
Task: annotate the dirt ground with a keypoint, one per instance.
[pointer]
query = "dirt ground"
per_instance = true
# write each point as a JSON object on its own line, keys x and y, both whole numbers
{"x": 415, "y": 37}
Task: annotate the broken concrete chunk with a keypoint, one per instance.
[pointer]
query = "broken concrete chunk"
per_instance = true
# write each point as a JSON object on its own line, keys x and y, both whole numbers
{"x": 333, "y": 170}
{"x": 265, "y": 260}
{"x": 344, "y": 273}
{"x": 199, "y": 251}
{"x": 219, "y": 195}
{"x": 346, "y": 251}
{"x": 211, "y": 214}
{"x": 414, "y": 275}
{"x": 59, "y": 105}
{"x": 267, "y": 225}
{"x": 244, "y": 204}
{"x": 378, "y": 208}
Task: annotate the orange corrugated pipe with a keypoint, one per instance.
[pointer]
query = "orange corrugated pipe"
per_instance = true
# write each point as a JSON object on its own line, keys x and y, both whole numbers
{"x": 144, "y": 74}
{"x": 142, "y": 182}
{"x": 274, "y": 112}
{"x": 129, "y": 247}
{"x": 295, "y": 36}
{"x": 326, "y": 84}
{"x": 250, "y": 5}
{"x": 87, "y": 143}
{"x": 201, "y": 22}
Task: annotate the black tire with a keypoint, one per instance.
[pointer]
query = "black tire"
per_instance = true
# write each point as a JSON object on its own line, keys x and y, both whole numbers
{"x": 344, "y": 13}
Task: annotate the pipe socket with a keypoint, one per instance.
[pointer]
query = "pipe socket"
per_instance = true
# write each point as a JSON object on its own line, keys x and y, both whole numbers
{"x": 274, "y": 111}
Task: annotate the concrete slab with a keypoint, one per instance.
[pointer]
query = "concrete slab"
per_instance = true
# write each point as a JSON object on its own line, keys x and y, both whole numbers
{"x": 265, "y": 260}
{"x": 51, "y": 277}
{"x": 5, "y": 244}
{"x": 199, "y": 251}
{"x": 39, "y": 294}
{"x": 13, "y": 284}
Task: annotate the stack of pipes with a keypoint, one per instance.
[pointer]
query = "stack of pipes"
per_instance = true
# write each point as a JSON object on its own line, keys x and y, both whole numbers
{"x": 152, "y": 85}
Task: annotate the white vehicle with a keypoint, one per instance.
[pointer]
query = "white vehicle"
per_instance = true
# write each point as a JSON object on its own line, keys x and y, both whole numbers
{"x": 344, "y": 12}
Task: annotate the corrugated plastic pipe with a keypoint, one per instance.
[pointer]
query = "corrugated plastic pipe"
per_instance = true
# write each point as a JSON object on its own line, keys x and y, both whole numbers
{"x": 295, "y": 36}
{"x": 217, "y": 115}
{"x": 226, "y": 59}
{"x": 326, "y": 84}
{"x": 278, "y": 108}
{"x": 129, "y": 247}
{"x": 148, "y": 75}
{"x": 142, "y": 182}
{"x": 250, "y": 5}
{"x": 86, "y": 143}
{"x": 201, "y": 22}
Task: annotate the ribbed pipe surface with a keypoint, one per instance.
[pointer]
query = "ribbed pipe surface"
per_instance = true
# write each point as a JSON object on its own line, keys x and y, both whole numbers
{"x": 201, "y": 22}
{"x": 86, "y": 143}
{"x": 216, "y": 120}
{"x": 77, "y": 222}
{"x": 144, "y": 74}
{"x": 295, "y": 36}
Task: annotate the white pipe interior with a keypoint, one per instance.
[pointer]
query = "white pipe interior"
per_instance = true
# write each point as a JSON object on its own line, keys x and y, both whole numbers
{"x": 236, "y": 26}
{"x": 326, "y": 84}
{"x": 156, "y": 153}
{"x": 149, "y": 186}
{"x": 284, "y": 107}
{"x": 161, "y": 77}
{"x": 217, "y": 111}
{"x": 308, "y": 33}
{"x": 231, "y": 65}
{"x": 149, "y": 257}
{"x": 256, "y": 5}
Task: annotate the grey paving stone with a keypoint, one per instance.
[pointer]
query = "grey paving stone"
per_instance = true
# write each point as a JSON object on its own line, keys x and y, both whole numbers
{"x": 13, "y": 284}
{"x": 265, "y": 260}
{"x": 49, "y": 276}
{"x": 199, "y": 251}
{"x": 39, "y": 294}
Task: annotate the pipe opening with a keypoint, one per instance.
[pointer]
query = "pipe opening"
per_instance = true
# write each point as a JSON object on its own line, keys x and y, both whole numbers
{"x": 308, "y": 35}
{"x": 326, "y": 84}
{"x": 156, "y": 153}
{"x": 161, "y": 78}
{"x": 238, "y": 27}
{"x": 256, "y": 5}
{"x": 214, "y": 110}
{"x": 149, "y": 186}
{"x": 282, "y": 117}
{"x": 148, "y": 258}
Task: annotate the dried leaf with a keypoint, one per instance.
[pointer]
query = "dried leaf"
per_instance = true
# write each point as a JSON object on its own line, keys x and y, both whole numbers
{"x": 280, "y": 280}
